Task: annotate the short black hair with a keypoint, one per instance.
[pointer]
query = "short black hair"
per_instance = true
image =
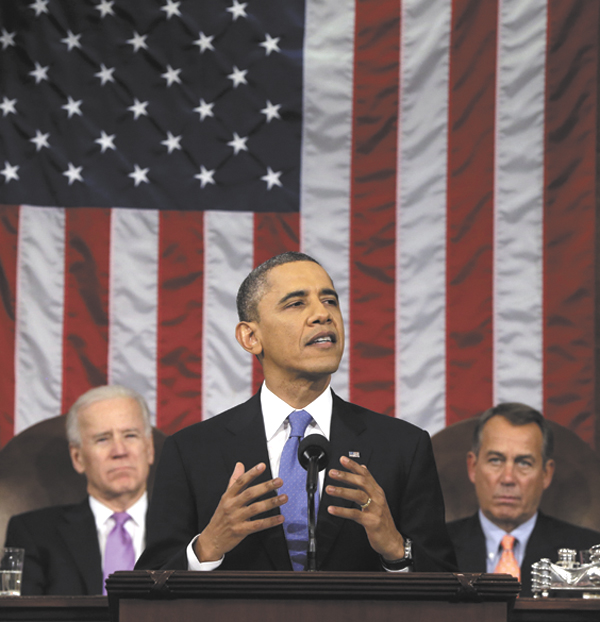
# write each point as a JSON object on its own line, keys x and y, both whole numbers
{"x": 253, "y": 286}
{"x": 517, "y": 414}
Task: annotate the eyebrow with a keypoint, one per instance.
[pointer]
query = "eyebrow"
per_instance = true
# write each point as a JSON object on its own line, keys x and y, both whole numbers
{"x": 301, "y": 293}
{"x": 111, "y": 432}
{"x": 493, "y": 452}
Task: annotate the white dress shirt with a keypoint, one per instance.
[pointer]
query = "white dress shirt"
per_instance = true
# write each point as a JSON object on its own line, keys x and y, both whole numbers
{"x": 493, "y": 540}
{"x": 275, "y": 412}
{"x": 136, "y": 527}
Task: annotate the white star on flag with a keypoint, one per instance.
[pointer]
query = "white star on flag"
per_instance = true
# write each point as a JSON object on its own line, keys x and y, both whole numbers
{"x": 238, "y": 76}
{"x": 105, "y": 74}
{"x": 8, "y": 106}
{"x": 271, "y": 111}
{"x": 205, "y": 177}
{"x": 238, "y": 143}
{"x": 204, "y": 42}
{"x": 172, "y": 142}
{"x": 204, "y": 110}
{"x": 71, "y": 41}
{"x": 7, "y": 39}
{"x": 138, "y": 108}
{"x": 139, "y": 175}
{"x": 73, "y": 107}
{"x": 40, "y": 73}
{"x": 106, "y": 8}
{"x": 40, "y": 140}
{"x": 270, "y": 44}
{"x": 171, "y": 75}
{"x": 9, "y": 172}
{"x": 39, "y": 6}
{"x": 106, "y": 142}
{"x": 138, "y": 41}
{"x": 272, "y": 178}
{"x": 73, "y": 173}
{"x": 237, "y": 9}
{"x": 171, "y": 8}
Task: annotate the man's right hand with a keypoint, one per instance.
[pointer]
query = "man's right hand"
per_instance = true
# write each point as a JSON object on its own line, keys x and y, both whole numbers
{"x": 232, "y": 520}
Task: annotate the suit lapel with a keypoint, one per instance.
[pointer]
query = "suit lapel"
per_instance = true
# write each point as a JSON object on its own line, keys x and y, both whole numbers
{"x": 78, "y": 530}
{"x": 249, "y": 446}
{"x": 346, "y": 439}
{"x": 472, "y": 553}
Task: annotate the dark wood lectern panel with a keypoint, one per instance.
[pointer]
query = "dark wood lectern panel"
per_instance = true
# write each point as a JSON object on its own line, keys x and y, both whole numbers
{"x": 184, "y": 596}
{"x": 190, "y": 610}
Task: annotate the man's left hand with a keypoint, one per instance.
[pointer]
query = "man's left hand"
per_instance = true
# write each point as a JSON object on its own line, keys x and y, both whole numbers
{"x": 375, "y": 516}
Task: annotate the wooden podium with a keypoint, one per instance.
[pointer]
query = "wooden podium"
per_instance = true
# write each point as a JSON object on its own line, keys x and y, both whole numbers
{"x": 184, "y": 596}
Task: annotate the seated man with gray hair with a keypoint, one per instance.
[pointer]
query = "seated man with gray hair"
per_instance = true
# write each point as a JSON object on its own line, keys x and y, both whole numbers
{"x": 71, "y": 549}
{"x": 510, "y": 464}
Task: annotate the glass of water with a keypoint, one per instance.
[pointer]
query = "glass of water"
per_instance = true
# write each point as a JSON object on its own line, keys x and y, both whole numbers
{"x": 11, "y": 570}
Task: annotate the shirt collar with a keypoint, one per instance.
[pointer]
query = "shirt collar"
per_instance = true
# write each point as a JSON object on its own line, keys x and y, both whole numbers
{"x": 275, "y": 411}
{"x": 494, "y": 534}
{"x": 102, "y": 512}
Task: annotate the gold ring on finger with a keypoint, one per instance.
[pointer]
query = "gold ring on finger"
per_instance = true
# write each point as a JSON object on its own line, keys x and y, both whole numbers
{"x": 364, "y": 506}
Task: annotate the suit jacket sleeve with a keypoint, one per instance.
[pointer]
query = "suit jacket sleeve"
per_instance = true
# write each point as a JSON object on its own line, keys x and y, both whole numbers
{"x": 422, "y": 513}
{"x": 172, "y": 519}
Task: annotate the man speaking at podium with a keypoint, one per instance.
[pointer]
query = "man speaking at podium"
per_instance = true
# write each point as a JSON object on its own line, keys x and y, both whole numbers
{"x": 228, "y": 492}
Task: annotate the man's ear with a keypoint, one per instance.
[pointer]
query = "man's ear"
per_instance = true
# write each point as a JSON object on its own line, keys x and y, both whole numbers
{"x": 471, "y": 462}
{"x": 548, "y": 473}
{"x": 247, "y": 336}
{"x": 75, "y": 453}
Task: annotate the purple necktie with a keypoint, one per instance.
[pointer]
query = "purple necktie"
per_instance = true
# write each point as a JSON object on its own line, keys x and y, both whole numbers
{"x": 293, "y": 475}
{"x": 119, "y": 553}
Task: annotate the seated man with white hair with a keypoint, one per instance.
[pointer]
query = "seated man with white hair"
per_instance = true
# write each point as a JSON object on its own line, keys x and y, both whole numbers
{"x": 71, "y": 549}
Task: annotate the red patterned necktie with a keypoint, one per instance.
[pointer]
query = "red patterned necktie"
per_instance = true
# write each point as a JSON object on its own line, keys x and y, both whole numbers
{"x": 508, "y": 563}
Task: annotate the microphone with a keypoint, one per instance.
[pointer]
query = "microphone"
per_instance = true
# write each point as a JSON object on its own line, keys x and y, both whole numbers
{"x": 313, "y": 455}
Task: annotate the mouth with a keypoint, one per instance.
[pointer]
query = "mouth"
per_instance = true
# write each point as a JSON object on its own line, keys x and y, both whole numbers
{"x": 323, "y": 339}
{"x": 506, "y": 499}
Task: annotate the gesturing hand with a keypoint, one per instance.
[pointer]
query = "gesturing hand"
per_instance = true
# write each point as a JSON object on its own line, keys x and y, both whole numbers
{"x": 376, "y": 517}
{"x": 232, "y": 520}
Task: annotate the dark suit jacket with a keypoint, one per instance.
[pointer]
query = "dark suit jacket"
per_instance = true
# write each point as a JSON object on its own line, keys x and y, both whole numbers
{"x": 196, "y": 464}
{"x": 548, "y": 535}
{"x": 62, "y": 555}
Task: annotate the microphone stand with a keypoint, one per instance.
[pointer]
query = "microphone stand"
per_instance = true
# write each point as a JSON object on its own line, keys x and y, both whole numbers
{"x": 311, "y": 488}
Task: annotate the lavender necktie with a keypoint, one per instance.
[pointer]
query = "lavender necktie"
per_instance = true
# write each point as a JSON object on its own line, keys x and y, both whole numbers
{"x": 293, "y": 475}
{"x": 119, "y": 553}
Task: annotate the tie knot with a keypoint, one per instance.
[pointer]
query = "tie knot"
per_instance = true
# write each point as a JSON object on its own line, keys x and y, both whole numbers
{"x": 120, "y": 518}
{"x": 299, "y": 421}
{"x": 508, "y": 542}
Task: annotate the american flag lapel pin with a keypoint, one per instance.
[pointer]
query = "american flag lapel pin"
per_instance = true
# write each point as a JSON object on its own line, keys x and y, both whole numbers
{"x": 354, "y": 454}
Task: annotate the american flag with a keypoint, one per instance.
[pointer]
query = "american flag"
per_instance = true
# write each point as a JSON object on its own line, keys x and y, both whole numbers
{"x": 438, "y": 157}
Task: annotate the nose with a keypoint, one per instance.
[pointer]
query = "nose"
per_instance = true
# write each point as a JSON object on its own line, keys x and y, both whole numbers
{"x": 508, "y": 474}
{"x": 119, "y": 447}
{"x": 320, "y": 313}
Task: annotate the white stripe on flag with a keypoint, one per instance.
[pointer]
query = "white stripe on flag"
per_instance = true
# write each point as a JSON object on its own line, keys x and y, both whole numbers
{"x": 133, "y": 296}
{"x": 421, "y": 234}
{"x": 519, "y": 202}
{"x": 228, "y": 259}
{"x": 326, "y": 150}
{"x": 39, "y": 312}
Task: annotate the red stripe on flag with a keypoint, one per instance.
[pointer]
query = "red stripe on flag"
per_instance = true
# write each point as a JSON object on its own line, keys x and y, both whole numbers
{"x": 9, "y": 227}
{"x": 85, "y": 336}
{"x": 373, "y": 204}
{"x": 273, "y": 234}
{"x": 569, "y": 260}
{"x": 180, "y": 315}
{"x": 469, "y": 348}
